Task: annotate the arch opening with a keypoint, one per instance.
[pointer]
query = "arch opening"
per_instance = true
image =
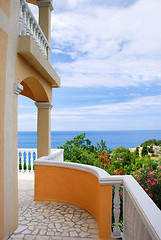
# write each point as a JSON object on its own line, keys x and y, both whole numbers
{"x": 33, "y": 89}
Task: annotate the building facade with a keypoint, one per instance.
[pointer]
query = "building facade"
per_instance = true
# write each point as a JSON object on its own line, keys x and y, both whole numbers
{"x": 24, "y": 69}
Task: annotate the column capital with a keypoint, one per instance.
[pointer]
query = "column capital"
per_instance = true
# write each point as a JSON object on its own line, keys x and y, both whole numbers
{"x": 45, "y": 3}
{"x": 44, "y": 105}
{"x": 17, "y": 88}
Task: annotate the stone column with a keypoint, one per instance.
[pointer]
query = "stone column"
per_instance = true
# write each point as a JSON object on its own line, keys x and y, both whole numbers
{"x": 45, "y": 8}
{"x": 43, "y": 128}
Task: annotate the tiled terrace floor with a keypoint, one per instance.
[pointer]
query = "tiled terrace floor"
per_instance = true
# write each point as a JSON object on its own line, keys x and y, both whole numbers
{"x": 50, "y": 220}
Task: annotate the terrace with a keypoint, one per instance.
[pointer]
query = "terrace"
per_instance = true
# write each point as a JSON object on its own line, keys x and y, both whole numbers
{"x": 62, "y": 219}
{"x": 50, "y": 220}
{"x": 66, "y": 200}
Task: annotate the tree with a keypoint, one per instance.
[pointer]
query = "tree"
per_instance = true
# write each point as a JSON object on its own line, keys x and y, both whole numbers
{"x": 158, "y": 143}
{"x": 151, "y": 142}
{"x": 137, "y": 151}
{"x": 80, "y": 150}
{"x": 144, "y": 150}
{"x": 150, "y": 149}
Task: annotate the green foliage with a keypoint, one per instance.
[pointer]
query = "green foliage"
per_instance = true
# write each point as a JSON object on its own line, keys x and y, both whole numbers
{"x": 120, "y": 161}
{"x": 150, "y": 180}
{"x": 20, "y": 165}
{"x": 137, "y": 151}
{"x": 80, "y": 150}
{"x": 152, "y": 142}
{"x": 144, "y": 150}
{"x": 158, "y": 143}
{"x": 150, "y": 149}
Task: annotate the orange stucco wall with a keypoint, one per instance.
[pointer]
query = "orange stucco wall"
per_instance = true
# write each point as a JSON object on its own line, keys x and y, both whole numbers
{"x": 3, "y": 44}
{"x": 38, "y": 89}
{"x": 5, "y": 6}
{"x": 77, "y": 187}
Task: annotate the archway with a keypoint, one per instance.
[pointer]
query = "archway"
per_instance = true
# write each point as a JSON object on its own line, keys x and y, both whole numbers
{"x": 39, "y": 92}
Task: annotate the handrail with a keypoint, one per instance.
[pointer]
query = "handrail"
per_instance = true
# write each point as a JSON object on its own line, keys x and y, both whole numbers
{"x": 98, "y": 172}
{"x": 29, "y": 26}
{"x": 140, "y": 212}
{"x": 141, "y": 217}
{"x": 149, "y": 213}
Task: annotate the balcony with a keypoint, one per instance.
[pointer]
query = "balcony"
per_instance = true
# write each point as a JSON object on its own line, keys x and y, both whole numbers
{"x": 141, "y": 217}
{"x": 34, "y": 47}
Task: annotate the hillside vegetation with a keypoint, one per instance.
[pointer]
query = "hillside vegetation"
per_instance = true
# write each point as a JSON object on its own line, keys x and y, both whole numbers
{"x": 144, "y": 163}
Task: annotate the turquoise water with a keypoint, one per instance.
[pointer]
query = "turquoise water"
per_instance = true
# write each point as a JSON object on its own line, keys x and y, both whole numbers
{"x": 113, "y": 139}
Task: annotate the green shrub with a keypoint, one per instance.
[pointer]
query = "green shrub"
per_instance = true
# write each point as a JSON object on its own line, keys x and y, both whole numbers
{"x": 150, "y": 180}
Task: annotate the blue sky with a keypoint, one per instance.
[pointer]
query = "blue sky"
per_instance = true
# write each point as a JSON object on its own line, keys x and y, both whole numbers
{"x": 108, "y": 56}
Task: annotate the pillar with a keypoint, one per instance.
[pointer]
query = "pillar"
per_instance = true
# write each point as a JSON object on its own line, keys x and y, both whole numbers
{"x": 45, "y": 8}
{"x": 43, "y": 128}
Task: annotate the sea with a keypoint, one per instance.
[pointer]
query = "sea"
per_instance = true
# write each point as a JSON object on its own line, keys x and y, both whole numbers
{"x": 113, "y": 139}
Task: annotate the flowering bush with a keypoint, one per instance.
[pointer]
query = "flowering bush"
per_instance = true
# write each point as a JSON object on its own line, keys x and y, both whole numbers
{"x": 151, "y": 183}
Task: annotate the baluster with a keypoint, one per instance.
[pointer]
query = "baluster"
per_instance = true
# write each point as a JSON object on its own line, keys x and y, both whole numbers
{"x": 22, "y": 161}
{"x": 39, "y": 40}
{"x": 43, "y": 46}
{"x": 46, "y": 46}
{"x": 24, "y": 20}
{"x": 135, "y": 224}
{"x": 28, "y": 24}
{"x": 146, "y": 234}
{"x": 140, "y": 229}
{"x": 128, "y": 216}
{"x": 37, "y": 36}
{"x": 131, "y": 221}
{"x": 32, "y": 161}
{"x": 21, "y": 19}
{"x": 125, "y": 207}
{"x": 27, "y": 161}
{"x": 19, "y": 162}
{"x": 34, "y": 31}
{"x": 130, "y": 229}
{"x": 32, "y": 27}
{"x": 116, "y": 229}
{"x": 41, "y": 43}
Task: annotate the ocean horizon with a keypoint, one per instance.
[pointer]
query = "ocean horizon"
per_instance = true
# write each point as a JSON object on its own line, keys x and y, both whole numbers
{"x": 113, "y": 138}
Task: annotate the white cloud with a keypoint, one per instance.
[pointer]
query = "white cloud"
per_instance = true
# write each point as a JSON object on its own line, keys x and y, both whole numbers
{"x": 110, "y": 46}
{"x": 27, "y": 116}
{"x": 137, "y": 106}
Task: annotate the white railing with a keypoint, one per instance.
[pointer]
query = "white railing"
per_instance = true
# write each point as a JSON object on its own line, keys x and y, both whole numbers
{"x": 29, "y": 26}
{"x": 26, "y": 157}
{"x": 141, "y": 217}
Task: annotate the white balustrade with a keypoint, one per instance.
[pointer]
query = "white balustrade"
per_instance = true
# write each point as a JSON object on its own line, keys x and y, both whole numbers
{"x": 26, "y": 159}
{"x": 27, "y": 156}
{"x": 116, "y": 210}
{"x": 141, "y": 217}
{"x": 30, "y": 27}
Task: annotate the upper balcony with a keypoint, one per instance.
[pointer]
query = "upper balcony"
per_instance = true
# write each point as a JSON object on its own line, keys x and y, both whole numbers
{"x": 33, "y": 45}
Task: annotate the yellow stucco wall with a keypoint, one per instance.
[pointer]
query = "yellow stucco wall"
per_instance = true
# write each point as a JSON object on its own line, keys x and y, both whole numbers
{"x": 41, "y": 89}
{"x": 44, "y": 133}
{"x": 13, "y": 68}
{"x": 3, "y": 44}
{"x": 54, "y": 183}
{"x": 5, "y": 6}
